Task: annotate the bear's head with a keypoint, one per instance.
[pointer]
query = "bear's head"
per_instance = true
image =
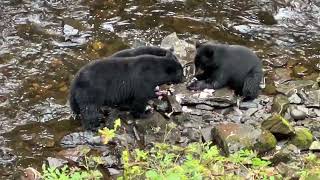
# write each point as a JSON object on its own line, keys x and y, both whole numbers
{"x": 204, "y": 58}
{"x": 173, "y": 69}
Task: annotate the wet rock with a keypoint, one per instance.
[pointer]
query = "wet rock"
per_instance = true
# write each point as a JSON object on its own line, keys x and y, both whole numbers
{"x": 315, "y": 146}
{"x": 124, "y": 139}
{"x": 302, "y": 138}
{"x": 299, "y": 70}
{"x": 295, "y": 99}
{"x": 113, "y": 171}
{"x": 266, "y": 142}
{"x": 280, "y": 104}
{"x": 311, "y": 98}
{"x": 55, "y": 162}
{"x": 247, "y": 105}
{"x": 297, "y": 114}
{"x": 6, "y": 156}
{"x": 282, "y": 75}
{"x": 182, "y": 49}
{"x": 204, "y": 107}
{"x": 220, "y": 98}
{"x": 287, "y": 154}
{"x": 288, "y": 170}
{"x": 206, "y": 134}
{"x": 290, "y": 87}
{"x": 110, "y": 161}
{"x": 232, "y": 137}
{"x": 80, "y": 138}
{"x": 74, "y": 154}
{"x": 277, "y": 125}
{"x": 193, "y": 135}
{"x": 176, "y": 108}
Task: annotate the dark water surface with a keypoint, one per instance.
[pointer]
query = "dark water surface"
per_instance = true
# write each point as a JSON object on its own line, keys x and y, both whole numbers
{"x": 44, "y": 42}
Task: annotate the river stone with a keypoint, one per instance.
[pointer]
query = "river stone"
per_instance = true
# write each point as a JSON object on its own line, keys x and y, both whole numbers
{"x": 204, "y": 107}
{"x": 302, "y": 138}
{"x": 311, "y": 98}
{"x": 7, "y": 156}
{"x": 297, "y": 114}
{"x": 74, "y": 154}
{"x": 315, "y": 146}
{"x": 282, "y": 75}
{"x": 220, "y": 98}
{"x": 80, "y": 138}
{"x": 182, "y": 49}
{"x": 280, "y": 104}
{"x": 277, "y": 125}
{"x": 55, "y": 162}
{"x": 232, "y": 137}
{"x": 295, "y": 99}
{"x": 290, "y": 87}
{"x": 287, "y": 154}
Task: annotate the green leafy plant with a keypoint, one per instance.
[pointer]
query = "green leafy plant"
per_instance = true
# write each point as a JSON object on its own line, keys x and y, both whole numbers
{"x": 107, "y": 134}
{"x": 66, "y": 173}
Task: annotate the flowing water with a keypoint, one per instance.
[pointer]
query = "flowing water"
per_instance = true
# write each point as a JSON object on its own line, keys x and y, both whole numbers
{"x": 44, "y": 42}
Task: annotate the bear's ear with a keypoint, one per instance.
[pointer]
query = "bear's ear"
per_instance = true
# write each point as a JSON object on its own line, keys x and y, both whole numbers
{"x": 198, "y": 44}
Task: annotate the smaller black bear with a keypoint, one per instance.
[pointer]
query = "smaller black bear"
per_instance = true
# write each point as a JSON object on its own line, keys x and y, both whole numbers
{"x": 232, "y": 65}
{"x": 121, "y": 81}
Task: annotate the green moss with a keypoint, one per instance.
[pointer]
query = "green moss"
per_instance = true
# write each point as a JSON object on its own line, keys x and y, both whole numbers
{"x": 302, "y": 138}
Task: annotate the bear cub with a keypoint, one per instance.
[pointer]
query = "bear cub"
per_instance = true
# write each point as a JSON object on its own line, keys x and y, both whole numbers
{"x": 121, "y": 81}
{"x": 227, "y": 65}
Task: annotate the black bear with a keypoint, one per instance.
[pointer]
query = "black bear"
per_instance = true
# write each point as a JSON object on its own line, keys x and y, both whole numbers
{"x": 228, "y": 65}
{"x": 117, "y": 81}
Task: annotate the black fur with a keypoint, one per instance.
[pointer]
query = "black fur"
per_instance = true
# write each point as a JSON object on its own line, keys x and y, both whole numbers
{"x": 232, "y": 65}
{"x": 117, "y": 81}
{"x": 151, "y": 50}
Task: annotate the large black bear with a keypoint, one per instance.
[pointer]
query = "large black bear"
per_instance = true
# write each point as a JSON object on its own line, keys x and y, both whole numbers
{"x": 117, "y": 81}
{"x": 232, "y": 65}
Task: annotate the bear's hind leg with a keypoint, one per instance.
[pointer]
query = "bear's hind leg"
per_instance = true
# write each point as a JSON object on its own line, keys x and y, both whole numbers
{"x": 251, "y": 86}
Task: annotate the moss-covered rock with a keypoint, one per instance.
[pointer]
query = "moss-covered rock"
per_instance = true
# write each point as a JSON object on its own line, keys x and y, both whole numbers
{"x": 266, "y": 142}
{"x": 232, "y": 137}
{"x": 277, "y": 125}
{"x": 302, "y": 138}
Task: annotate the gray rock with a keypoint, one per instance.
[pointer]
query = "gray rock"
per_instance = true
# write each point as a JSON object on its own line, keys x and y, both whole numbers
{"x": 55, "y": 162}
{"x": 204, "y": 107}
{"x": 287, "y": 154}
{"x": 278, "y": 125}
{"x": 206, "y": 134}
{"x": 311, "y": 98}
{"x": 113, "y": 171}
{"x": 7, "y": 156}
{"x": 232, "y": 137}
{"x": 295, "y": 99}
{"x": 80, "y": 138}
{"x": 110, "y": 161}
{"x": 315, "y": 146}
{"x": 247, "y": 105}
{"x": 297, "y": 114}
{"x": 291, "y": 87}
